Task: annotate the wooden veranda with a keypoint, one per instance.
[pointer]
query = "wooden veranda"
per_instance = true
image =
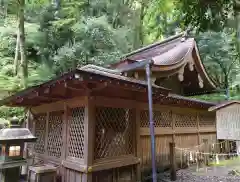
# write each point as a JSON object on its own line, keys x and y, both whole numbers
{"x": 92, "y": 123}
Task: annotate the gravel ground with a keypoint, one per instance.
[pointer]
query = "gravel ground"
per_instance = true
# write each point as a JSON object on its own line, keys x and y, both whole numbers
{"x": 217, "y": 174}
{"x": 189, "y": 176}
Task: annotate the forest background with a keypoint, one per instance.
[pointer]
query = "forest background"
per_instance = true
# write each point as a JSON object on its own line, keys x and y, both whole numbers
{"x": 40, "y": 39}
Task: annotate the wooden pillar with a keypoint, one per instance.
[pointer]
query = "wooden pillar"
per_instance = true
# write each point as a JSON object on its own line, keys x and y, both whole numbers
{"x": 138, "y": 143}
{"x": 198, "y": 129}
{"x": 65, "y": 138}
{"x": 32, "y": 120}
{"x": 173, "y": 174}
{"x": 206, "y": 150}
{"x": 89, "y": 137}
{"x": 33, "y": 130}
{"x": 173, "y": 126}
{"x": 46, "y": 134}
{"x": 25, "y": 152}
{"x": 199, "y": 158}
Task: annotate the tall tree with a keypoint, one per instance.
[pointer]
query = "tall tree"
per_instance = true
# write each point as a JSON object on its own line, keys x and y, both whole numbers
{"x": 24, "y": 62}
{"x": 16, "y": 58}
{"x": 219, "y": 57}
{"x": 212, "y": 15}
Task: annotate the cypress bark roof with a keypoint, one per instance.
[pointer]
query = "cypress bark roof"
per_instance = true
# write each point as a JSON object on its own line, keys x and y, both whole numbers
{"x": 177, "y": 55}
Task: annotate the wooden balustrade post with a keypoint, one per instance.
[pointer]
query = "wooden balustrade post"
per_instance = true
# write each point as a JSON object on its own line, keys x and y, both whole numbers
{"x": 173, "y": 173}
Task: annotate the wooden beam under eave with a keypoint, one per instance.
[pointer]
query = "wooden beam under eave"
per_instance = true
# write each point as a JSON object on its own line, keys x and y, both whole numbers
{"x": 178, "y": 130}
{"x": 25, "y": 104}
{"x": 119, "y": 85}
{"x": 73, "y": 87}
{"x": 50, "y": 96}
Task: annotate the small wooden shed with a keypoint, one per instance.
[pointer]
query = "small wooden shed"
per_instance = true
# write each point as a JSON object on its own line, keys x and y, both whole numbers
{"x": 227, "y": 120}
{"x": 228, "y": 124}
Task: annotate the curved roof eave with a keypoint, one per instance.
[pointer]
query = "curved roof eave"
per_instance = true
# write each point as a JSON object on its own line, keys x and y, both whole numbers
{"x": 184, "y": 51}
{"x": 202, "y": 67}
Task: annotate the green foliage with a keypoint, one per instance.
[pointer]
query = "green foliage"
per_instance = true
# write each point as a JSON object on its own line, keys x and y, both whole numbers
{"x": 219, "y": 56}
{"x": 61, "y": 38}
{"x": 9, "y": 112}
{"x": 206, "y": 15}
{"x": 212, "y": 15}
{"x": 161, "y": 20}
{"x": 75, "y": 33}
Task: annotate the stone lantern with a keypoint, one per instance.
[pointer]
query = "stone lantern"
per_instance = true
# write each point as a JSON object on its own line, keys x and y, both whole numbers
{"x": 11, "y": 148}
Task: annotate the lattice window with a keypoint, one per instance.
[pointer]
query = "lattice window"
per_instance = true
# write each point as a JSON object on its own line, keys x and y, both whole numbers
{"x": 114, "y": 132}
{"x": 206, "y": 120}
{"x": 144, "y": 119}
{"x": 55, "y": 127}
{"x": 161, "y": 118}
{"x": 76, "y": 132}
{"x": 40, "y": 133}
{"x": 186, "y": 120}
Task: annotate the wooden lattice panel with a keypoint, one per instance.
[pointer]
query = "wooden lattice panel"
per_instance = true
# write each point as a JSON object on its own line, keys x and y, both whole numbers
{"x": 114, "y": 132}
{"x": 40, "y": 133}
{"x": 161, "y": 118}
{"x": 55, "y": 127}
{"x": 76, "y": 133}
{"x": 206, "y": 120}
{"x": 144, "y": 119}
{"x": 186, "y": 120}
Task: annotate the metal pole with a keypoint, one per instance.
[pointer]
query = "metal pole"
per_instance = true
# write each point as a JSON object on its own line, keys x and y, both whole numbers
{"x": 150, "y": 105}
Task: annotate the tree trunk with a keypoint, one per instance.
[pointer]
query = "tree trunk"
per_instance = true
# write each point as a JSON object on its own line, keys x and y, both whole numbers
{"x": 16, "y": 59}
{"x": 24, "y": 63}
{"x": 227, "y": 91}
{"x": 237, "y": 22}
{"x": 141, "y": 33}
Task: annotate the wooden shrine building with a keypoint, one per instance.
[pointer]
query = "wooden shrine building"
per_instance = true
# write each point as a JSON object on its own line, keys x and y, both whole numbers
{"x": 92, "y": 123}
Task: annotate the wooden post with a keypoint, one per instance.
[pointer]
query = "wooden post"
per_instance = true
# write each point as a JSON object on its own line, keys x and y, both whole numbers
{"x": 205, "y": 141}
{"x": 199, "y": 156}
{"x": 198, "y": 131}
{"x": 89, "y": 136}
{"x": 173, "y": 126}
{"x": 138, "y": 143}
{"x": 64, "y": 137}
{"x": 25, "y": 152}
{"x": 173, "y": 174}
{"x": 46, "y": 135}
